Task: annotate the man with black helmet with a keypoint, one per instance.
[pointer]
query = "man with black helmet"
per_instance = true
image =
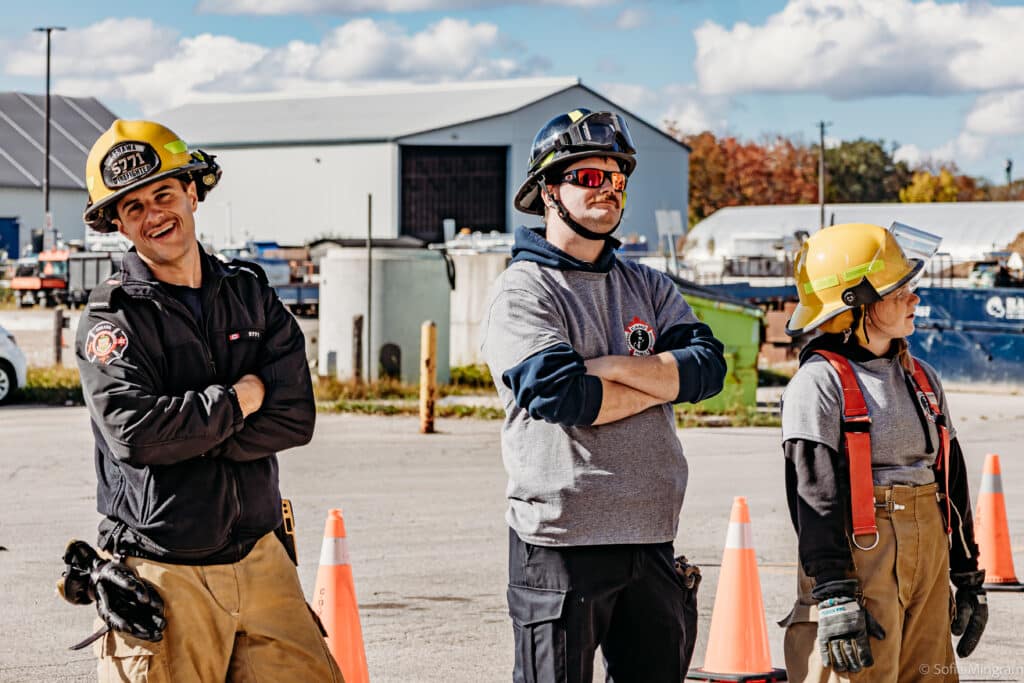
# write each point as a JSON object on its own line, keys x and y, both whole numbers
{"x": 195, "y": 376}
{"x": 588, "y": 353}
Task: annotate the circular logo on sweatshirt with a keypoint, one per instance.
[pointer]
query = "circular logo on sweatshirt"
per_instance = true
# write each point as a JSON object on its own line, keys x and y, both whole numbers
{"x": 639, "y": 337}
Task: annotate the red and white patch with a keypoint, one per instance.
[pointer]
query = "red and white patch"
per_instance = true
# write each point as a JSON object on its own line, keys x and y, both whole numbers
{"x": 639, "y": 337}
{"x": 105, "y": 343}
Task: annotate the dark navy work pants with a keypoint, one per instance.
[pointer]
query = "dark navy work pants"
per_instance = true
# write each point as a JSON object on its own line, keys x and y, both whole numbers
{"x": 627, "y": 599}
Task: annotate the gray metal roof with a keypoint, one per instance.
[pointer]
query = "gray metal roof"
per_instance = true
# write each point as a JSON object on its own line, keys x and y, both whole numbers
{"x": 75, "y": 122}
{"x": 968, "y": 229}
{"x": 377, "y": 115}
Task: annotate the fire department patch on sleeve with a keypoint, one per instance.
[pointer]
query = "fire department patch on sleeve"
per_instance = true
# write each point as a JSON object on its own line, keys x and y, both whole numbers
{"x": 105, "y": 343}
{"x": 639, "y": 337}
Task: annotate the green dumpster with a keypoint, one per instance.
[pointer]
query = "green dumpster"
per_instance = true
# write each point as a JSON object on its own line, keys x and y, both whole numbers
{"x": 738, "y": 327}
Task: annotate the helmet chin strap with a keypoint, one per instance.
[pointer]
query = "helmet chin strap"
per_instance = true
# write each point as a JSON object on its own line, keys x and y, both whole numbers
{"x": 563, "y": 213}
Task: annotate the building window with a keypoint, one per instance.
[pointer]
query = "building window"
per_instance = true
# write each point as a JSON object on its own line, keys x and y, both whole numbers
{"x": 467, "y": 184}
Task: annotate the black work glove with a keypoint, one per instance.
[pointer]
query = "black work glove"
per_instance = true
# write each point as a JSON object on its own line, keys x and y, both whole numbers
{"x": 971, "y": 610}
{"x": 844, "y": 626}
{"x": 74, "y": 585}
{"x": 126, "y": 602}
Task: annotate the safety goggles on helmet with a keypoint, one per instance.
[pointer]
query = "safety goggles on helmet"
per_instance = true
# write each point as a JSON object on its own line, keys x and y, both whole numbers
{"x": 595, "y": 177}
{"x": 602, "y": 130}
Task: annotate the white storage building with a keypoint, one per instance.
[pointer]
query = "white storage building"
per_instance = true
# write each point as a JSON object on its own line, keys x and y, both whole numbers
{"x": 300, "y": 169}
{"x": 969, "y": 230}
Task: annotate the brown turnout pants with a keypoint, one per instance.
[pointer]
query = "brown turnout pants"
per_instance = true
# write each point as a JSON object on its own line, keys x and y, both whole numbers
{"x": 905, "y": 580}
{"x": 247, "y": 621}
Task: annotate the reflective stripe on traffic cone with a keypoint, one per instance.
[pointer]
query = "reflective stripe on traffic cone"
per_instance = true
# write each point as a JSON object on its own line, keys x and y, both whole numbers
{"x": 334, "y": 601}
{"x": 738, "y": 642}
{"x": 992, "y": 532}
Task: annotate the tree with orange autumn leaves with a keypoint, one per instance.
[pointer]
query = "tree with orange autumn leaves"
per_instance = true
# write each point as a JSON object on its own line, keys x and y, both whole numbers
{"x": 729, "y": 172}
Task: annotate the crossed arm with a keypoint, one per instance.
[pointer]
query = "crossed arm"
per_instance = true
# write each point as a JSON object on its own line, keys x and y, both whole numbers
{"x": 558, "y": 385}
{"x": 632, "y": 384}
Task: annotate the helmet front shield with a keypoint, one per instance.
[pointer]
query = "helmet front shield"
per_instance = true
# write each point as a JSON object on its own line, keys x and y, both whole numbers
{"x": 601, "y": 129}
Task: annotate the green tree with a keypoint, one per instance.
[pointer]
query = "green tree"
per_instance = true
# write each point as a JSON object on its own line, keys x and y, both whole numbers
{"x": 863, "y": 171}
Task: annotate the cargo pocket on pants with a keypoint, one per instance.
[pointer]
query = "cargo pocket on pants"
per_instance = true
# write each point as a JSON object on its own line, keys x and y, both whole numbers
{"x": 540, "y": 639}
{"x": 124, "y": 658}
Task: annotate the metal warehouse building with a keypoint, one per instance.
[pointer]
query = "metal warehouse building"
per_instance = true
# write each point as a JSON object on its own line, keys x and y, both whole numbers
{"x": 76, "y": 122}
{"x": 300, "y": 169}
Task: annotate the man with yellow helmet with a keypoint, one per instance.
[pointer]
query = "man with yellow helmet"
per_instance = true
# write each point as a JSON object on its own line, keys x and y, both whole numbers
{"x": 195, "y": 376}
{"x": 875, "y": 476}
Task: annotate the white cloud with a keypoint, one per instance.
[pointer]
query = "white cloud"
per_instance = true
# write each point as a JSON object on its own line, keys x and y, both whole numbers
{"x": 965, "y": 149}
{"x": 361, "y": 52}
{"x": 997, "y": 114}
{"x": 632, "y": 18}
{"x": 683, "y": 106}
{"x": 858, "y": 48}
{"x": 111, "y": 46}
{"x": 912, "y": 155}
{"x": 364, "y": 6}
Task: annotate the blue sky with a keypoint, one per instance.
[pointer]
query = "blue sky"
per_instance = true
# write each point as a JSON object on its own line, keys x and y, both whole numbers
{"x": 939, "y": 80}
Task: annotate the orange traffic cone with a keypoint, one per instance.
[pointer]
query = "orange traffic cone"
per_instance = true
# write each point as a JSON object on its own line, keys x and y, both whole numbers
{"x": 334, "y": 601}
{"x": 992, "y": 532}
{"x": 738, "y": 643}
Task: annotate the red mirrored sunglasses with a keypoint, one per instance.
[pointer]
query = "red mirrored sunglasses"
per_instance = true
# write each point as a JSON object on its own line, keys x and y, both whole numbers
{"x": 594, "y": 177}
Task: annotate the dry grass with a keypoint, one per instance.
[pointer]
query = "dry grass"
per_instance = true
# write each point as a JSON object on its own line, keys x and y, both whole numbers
{"x": 51, "y": 385}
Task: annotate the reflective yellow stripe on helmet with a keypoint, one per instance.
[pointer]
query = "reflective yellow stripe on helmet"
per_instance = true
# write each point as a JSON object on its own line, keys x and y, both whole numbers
{"x": 820, "y": 284}
{"x": 575, "y": 115}
{"x": 863, "y": 269}
{"x": 176, "y": 147}
{"x": 848, "y": 275}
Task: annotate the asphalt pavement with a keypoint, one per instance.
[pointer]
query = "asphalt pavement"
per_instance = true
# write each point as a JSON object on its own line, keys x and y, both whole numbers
{"x": 424, "y": 515}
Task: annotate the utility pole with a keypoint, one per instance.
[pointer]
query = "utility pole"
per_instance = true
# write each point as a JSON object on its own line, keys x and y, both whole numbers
{"x": 47, "y": 217}
{"x": 1009, "y": 173}
{"x": 821, "y": 170}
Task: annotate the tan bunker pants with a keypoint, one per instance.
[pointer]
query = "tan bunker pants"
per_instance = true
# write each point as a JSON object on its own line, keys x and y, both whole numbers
{"x": 905, "y": 581}
{"x": 246, "y": 621}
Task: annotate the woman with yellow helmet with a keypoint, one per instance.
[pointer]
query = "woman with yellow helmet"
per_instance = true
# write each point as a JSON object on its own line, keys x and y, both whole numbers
{"x": 875, "y": 476}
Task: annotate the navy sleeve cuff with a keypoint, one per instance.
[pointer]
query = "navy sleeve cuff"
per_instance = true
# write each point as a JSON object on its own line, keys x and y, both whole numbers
{"x": 593, "y": 395}
{"x": 552, "y": 385}
{"x": 699, "y": 360}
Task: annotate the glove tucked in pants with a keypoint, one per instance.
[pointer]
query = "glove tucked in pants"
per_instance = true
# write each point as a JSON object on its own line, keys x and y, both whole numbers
{"x": 246, "y": 621}
{"x": 905, "y": 580}
{"x": 628, "y": 599}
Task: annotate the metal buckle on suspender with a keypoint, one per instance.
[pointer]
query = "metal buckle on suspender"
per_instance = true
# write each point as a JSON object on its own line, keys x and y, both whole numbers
{"x": 853, "y": 537}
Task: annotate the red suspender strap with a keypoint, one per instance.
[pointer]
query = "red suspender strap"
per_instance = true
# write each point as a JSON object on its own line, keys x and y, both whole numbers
{"x": 857, "y": 444}
{"x": 942, "y": 457}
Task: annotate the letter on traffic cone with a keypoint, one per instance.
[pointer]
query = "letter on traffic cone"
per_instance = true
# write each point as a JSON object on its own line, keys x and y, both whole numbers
{"x": 992, "y": 532}
{"x": 334, "y": 601}
{"x": 738, "y": 643}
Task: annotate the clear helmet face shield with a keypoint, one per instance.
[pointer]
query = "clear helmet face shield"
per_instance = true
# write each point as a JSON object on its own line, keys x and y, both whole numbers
{"x": 917, "y": 246}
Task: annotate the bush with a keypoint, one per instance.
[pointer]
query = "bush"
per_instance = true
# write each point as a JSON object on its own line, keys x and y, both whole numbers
{"x": 332, "y": 389}
{"x": 472, "y": 376}
{"x": 53, "y": 385}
